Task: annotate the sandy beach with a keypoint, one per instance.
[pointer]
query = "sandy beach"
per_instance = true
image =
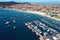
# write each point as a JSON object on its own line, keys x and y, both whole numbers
{"x": 35, "y": 12}
{"x": 41, "y": 13}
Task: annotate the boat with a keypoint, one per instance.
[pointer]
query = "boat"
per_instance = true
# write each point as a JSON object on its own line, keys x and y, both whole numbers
{"x": 7, "y": 23}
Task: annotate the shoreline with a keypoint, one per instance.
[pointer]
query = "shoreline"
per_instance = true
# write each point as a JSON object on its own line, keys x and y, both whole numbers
{"x": 34, "y": 12}
{"x": 42, "y": 14}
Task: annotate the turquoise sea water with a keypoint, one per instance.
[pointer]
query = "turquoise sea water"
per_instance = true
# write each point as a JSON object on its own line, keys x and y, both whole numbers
{"x": 21, "y": 32}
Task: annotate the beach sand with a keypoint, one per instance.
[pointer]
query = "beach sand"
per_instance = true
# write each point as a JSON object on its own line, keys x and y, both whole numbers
{"x": 35, "y": 12}
{"x": 43, "y": 14}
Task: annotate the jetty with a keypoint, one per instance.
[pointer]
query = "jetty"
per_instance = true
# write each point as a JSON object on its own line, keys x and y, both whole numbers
{"x": 43, "y": 31}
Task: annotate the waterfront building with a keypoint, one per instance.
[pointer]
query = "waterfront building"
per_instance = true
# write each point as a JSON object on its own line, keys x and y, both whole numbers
{"x": 50, "y": 12}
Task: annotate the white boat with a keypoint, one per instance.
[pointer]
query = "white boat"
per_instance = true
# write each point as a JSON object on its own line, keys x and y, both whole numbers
{"x": 14, "y": 21}
{"x": 7, "y": 22}
{"x": 14, "y": 27}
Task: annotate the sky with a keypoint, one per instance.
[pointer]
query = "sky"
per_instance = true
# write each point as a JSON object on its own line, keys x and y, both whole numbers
{"x": 32, "y": 0}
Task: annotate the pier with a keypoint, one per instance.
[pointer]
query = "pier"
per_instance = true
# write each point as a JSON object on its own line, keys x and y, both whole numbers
{"x": 43, "y": 31}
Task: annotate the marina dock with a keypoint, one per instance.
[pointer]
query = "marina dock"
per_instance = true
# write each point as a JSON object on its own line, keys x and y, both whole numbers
{"x": 43, "y": 31}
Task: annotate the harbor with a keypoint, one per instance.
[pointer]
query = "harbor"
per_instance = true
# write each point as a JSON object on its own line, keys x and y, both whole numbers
{"x": 30, "y": 20}
{"x": 44, "y": 32}
{"x": 18, "y": 25}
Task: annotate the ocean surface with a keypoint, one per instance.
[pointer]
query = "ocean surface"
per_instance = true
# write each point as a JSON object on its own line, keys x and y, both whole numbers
{"x": 21, "y": 32}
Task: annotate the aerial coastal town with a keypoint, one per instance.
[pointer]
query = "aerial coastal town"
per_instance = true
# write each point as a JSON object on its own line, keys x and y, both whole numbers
{"x": 39, "y": 28}
{"x": 52, "y": 11}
